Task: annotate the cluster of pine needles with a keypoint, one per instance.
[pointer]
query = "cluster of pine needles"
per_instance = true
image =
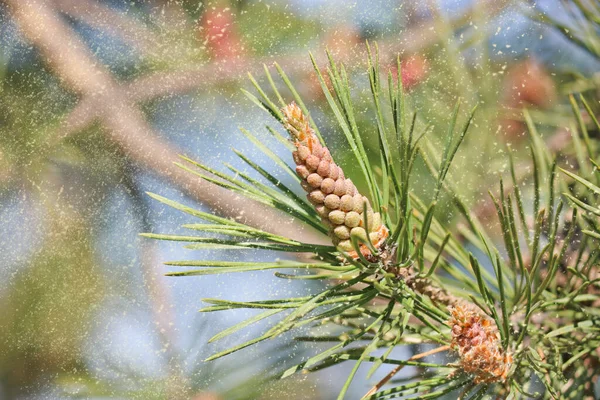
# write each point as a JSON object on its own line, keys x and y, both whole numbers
{"x": 509, "y": 318}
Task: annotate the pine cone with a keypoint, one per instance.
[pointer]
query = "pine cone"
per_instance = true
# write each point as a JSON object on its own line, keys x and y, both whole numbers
{"x": 476, "y": 338}
{"x": 336, "y": 199}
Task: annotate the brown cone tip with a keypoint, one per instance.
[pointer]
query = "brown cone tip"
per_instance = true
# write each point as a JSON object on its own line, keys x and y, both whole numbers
{"x": 336, "y": 199}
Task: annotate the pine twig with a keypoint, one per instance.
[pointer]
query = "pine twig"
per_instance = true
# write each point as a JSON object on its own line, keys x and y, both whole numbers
{"x": 397, "y": 369}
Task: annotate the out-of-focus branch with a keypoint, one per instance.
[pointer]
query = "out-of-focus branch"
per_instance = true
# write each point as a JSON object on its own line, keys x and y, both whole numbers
{"x": 156, "y": 85}
{"x": 159, "y": 295}
{"x": 172, "y": 83}
{"x": 126, "y": 126}
{"x": 109, "y": 21}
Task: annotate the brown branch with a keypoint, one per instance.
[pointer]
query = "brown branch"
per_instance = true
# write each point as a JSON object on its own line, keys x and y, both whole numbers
{"x": 159, "y": 295}
{"x": 157, "y": 85}
{"x": 108, "y": 20}
{"x": 172, "y": 83}
{"x": 397, "y": 369}
{"x": 68, "y": 56}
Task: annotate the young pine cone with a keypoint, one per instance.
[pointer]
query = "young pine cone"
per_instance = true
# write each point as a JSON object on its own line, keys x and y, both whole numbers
{"x": 335, "y": 198}
{"x": 476, "y": 339}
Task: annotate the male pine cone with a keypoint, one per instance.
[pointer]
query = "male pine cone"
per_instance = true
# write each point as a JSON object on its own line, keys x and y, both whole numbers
{"x": 336, "y": 199}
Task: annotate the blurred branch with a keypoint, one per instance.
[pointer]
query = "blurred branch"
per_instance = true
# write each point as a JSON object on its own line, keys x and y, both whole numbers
{"x": 172, "y": 83}
{"x": 126, "y": 126}
{"x": 108, "y": 20}
{"x": 157, "y": 85}
{"x": 158, "y": 293}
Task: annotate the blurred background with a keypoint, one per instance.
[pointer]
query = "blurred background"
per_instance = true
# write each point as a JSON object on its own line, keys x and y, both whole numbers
{"x": 97, "y": 99}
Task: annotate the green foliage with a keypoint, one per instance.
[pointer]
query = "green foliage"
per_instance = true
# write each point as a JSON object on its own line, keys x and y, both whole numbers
{"x": 586, "y": 194}
{"x": 49, "y": 308}
{"x": 278, "y": 30}
{"x": 583, "y": 30}
{"x": 535, "y": 280}
{"x": 32, "y": 104}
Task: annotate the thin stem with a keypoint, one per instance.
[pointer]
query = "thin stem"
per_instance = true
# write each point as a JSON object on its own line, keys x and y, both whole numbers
{"x": 397, "y": 369}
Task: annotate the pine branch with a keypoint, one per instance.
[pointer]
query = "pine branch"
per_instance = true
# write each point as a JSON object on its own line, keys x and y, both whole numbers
{"x": 404, "y": 276}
